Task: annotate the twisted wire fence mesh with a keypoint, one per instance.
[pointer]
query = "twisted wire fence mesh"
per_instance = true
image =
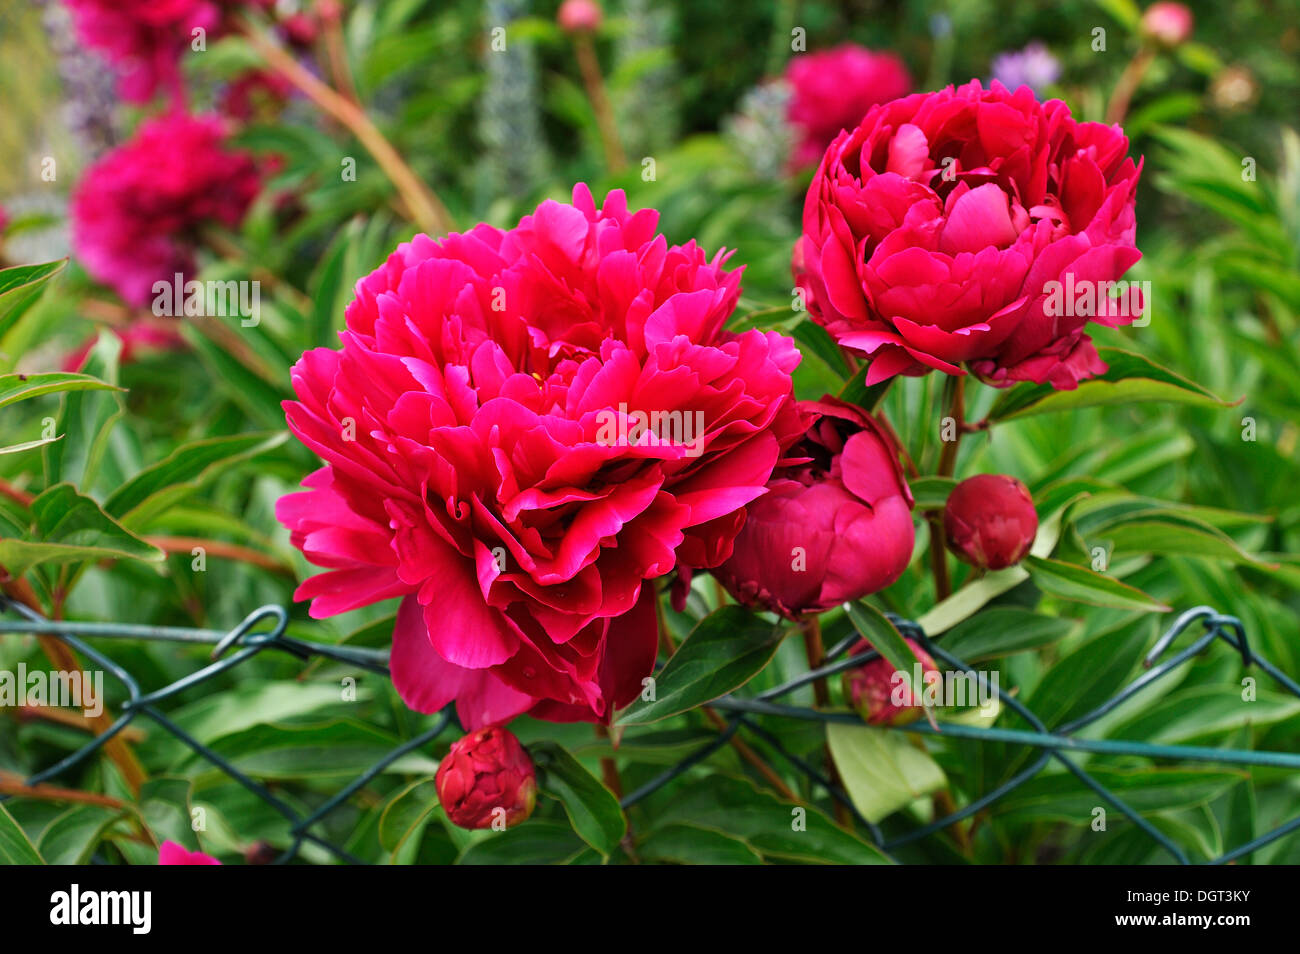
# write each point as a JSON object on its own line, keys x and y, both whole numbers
{"x": 264, "y": 630}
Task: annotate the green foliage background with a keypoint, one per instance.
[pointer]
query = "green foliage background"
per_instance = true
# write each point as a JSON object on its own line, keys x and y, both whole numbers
{"x": 1188, "y": 508}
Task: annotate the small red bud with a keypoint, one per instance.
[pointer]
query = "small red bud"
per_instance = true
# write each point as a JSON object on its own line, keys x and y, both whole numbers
{"x": 487, "y": 777}
{"x": 877, "y": 693}
{"x": 990, "y": 521}
{"x": 580, "y": 16}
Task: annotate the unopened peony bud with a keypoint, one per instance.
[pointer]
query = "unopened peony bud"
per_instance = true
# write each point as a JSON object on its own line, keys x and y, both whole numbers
{"x": 879, "y": 694}
{"x": 580, "y": 16}
{"x": 1169, "y": 24}
{"x": 485, "y": 771}
{"x": 260, "y": 853}
{"x": 990, "y": 521}
{"x": 835, "y": 523}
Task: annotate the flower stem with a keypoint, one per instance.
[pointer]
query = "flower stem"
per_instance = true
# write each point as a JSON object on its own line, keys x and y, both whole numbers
{"x": 816, "y": 650}
{"x": 947, "y": 465}
{"x": 424, "y": 207}
{"x": 64, "y": 660}
{"x": 589, "y": 66}
{"x": 10, "y": 785}
{"x": 220, "y": 548}
{"x": 1129, "y": 81}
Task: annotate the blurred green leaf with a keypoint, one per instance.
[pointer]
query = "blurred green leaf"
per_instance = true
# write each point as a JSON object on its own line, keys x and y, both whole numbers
{"x": 1003, "y": 630}
{"x": 183, "y": 471}
{"x": 20, "y": 387}
{"x": 15, "y": 847}
{"x": 67, "y": 527}
{"x": 881, "y": 770}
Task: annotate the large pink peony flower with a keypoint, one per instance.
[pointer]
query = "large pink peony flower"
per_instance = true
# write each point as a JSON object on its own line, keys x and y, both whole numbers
{"x": 935, "y": 234}
{"x": 831, "y": 90}
{"x": 486, "y": 459}
{"x": 135, "y": 212}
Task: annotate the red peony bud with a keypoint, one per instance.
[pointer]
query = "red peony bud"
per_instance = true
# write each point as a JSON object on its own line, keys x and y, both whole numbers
{"x": 485, "y": 771}
{"x": 990, "y": 521}
{"x": 260, "y": 853}
{"x": 580, "y": 16}
{"x": 300, "y": 30}
{"x": 1169, "y": 24}
{"x": 835, "y": 523}
{"x": 879, "y": 694}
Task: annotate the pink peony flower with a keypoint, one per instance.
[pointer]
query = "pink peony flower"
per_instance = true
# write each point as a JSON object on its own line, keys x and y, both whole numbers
{"x": 831, "y": 90}
{"x": 136, "y": 210}
{"x": 990, "y": 521}
{"x": 173, "y": 854}
{"x": 940, "y": 232}
{"x": 487, "y": 776}
{"x": 486, "y": 458}
{"x": 835, "y": 524}
{"x": 145, "y": 39}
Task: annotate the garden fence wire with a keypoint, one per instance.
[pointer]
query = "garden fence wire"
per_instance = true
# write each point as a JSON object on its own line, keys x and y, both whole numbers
{"x": 264, "y": 630}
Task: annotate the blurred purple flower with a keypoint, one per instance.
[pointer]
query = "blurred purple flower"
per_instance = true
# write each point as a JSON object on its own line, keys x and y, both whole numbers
{"x": 1034, "y": 66}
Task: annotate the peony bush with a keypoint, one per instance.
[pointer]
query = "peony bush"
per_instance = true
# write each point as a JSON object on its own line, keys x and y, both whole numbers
{"x": 649, "y": 451}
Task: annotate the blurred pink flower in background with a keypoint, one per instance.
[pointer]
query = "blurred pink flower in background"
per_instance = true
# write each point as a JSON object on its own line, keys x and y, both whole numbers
{"x": 173, "y": 854}
{"x": 470, "y": 469}
{"x": 144, "y": 39}
{"x": 831, "y": 90}
{"x": 137, "y": 211}
{"x": 835, "y": 524}
{"x": 580, "y": 16}
{"x": 939, "y": 232}
{"x": 1168, "y": 24}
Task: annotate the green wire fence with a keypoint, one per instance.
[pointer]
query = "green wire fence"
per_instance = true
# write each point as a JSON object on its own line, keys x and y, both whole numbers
{"x": 264, "y": 629}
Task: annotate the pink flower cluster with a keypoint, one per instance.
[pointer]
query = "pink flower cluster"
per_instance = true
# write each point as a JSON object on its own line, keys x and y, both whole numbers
{"x": 466, "y": 430}
{"x": 136, "y": 212}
